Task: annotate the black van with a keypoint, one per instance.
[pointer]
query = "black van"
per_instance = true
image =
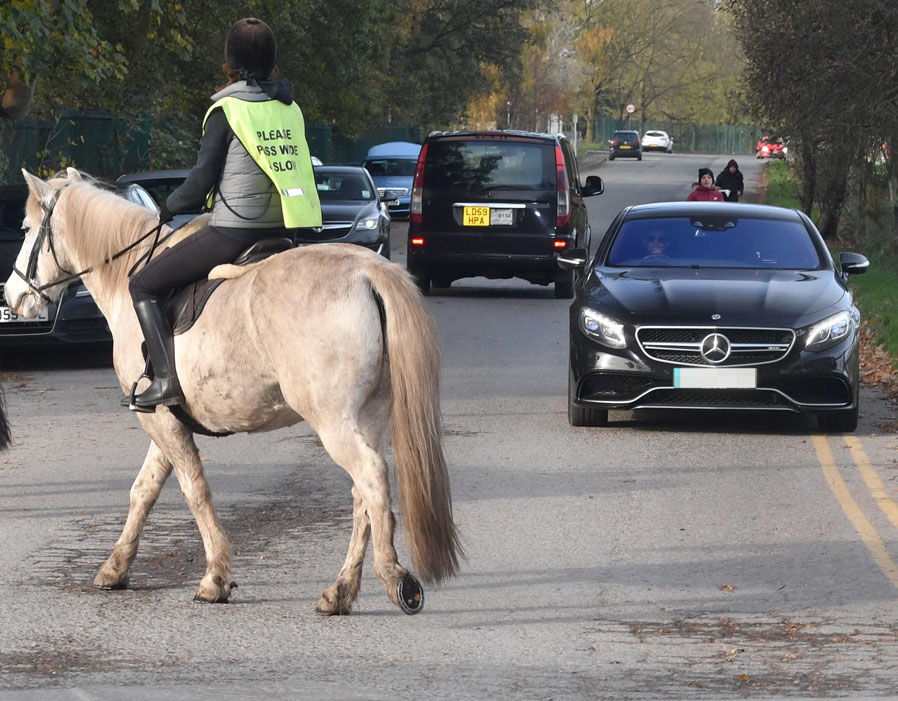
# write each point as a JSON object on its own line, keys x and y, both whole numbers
{"x": 498, "y": 204}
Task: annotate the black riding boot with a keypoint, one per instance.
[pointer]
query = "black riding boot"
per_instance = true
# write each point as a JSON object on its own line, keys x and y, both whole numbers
{"x": 165, "y": 388}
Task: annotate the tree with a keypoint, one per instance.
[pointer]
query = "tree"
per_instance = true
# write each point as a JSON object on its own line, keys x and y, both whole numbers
{"x": 836, "y": 99}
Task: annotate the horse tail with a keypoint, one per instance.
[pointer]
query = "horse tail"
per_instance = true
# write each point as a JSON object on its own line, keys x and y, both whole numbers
{"x": 413, "y": 353}
{"x": 4, "y": 423}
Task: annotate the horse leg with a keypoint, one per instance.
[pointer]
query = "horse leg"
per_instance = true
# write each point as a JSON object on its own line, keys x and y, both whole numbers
{"x": 368, "y": 469}
{"x": 216, "y": 583}
{"x": 113, "y": 573}
{"x": 339, "y": 597}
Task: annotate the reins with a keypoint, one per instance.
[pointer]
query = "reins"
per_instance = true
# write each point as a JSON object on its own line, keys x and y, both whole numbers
{"x": 45, "y": 232}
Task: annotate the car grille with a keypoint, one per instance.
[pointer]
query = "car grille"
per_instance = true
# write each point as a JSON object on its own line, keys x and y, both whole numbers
{"x": 682, "y": 345}
{"x": 330, "y": 231}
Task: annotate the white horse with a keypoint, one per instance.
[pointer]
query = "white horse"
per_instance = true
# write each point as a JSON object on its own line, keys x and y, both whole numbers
{"x": 331, "y": 334}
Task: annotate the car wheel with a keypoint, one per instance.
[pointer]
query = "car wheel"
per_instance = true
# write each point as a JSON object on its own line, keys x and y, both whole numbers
{"x": 423, "y": 284}
{"x": 611, "y": 157}
{"x": 838, "y": 422}
{"x": 579, "y": 416}
{"x": 441, "y": 282}
{"x": 564, "y": 288}
{"x": 639, "y": 157}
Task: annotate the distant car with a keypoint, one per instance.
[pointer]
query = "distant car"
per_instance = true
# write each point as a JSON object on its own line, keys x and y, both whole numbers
{"x": 770, "y": 147}
{"x": 717, "y": 306}
{"x": 497, "y": 204}
{"x": 625, "y": 143}
{"x": 351, "y": 209}
{"x": 657, "y": 141}
{"x": 392, "y": 166}
{"x": 74, "y": 319}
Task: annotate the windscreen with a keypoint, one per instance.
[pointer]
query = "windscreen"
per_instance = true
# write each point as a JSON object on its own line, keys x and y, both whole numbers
{"x": 714, "y": 242}
{"x": 346, "y": 187}
{"x": 402, "y": 167}
{"x": 478, "y": 165}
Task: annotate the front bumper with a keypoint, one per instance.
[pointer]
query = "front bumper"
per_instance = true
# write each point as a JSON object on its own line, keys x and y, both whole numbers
{"x": 802, "y": 382}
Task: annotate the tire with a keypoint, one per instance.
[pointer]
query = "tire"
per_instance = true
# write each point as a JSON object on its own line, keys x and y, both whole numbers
{"x": 440, "y": 282}
{"x": 579, "y": 416}
{"x": 564, "y": 289}
{"x": 423, "y": 284}
{"x": 838, "y": 422}
{"x": 611, "y": 157}
{"x": 639, "y": 157}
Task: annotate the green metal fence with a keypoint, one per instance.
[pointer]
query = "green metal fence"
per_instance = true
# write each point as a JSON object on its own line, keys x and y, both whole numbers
{"x": 698, "y": 138}
{"x": 106, "y": 146}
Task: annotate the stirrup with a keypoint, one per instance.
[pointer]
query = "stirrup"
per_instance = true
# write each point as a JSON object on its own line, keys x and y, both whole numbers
{"x": 128, "y": 400}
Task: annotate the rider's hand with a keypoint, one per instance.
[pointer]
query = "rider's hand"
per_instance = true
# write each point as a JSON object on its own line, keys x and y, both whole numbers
{"x": 164, "y": 215}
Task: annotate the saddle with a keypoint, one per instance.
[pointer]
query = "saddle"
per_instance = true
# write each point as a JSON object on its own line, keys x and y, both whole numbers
{"x": 184, "y": 307}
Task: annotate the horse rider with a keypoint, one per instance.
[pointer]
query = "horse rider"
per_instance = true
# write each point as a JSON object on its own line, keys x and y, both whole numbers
{"x": 254, "y": 170}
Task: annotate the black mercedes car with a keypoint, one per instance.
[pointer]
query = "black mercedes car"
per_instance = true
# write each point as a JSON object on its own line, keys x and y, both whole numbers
{"x": 690, "y": 305}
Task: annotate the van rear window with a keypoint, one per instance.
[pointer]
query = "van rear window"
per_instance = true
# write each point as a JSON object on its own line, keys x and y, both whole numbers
{"x": 490, "y": 164}
{"x": 403, "y": 167}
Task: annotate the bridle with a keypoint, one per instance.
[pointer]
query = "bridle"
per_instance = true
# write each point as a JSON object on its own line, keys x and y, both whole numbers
{"x": 45, "y": 233}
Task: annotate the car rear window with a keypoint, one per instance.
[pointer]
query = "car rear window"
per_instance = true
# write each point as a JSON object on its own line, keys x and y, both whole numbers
{"x": 342, "y": 186}
{"x": 477, "y": 165}
{"x": 626, "y": 137}
{"x": 403, "y": 167}
{"x": 715, "y": 242}
{"x": 654, "y": 133}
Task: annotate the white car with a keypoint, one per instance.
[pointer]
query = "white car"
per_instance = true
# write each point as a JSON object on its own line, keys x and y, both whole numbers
{"x": 657, "y": 141}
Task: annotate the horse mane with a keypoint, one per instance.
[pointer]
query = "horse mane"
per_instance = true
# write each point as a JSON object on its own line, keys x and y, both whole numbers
{"x": 103, "y": 221}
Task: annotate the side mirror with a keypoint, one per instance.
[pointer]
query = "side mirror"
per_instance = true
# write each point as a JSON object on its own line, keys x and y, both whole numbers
{"x": 853, "y": 263}
{"x": 594, "y": 186}
{"x": 390, "y": 198}
{"x": 573, "y": 259}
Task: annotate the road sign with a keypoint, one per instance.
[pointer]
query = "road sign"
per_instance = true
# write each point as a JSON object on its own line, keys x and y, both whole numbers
{"x": 631, "y": 109}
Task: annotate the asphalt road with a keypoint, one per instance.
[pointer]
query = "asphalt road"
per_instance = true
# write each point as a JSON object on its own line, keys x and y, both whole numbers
{"x": 685, "y": 556}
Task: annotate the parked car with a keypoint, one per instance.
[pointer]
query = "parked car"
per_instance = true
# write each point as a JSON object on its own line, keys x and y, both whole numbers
{"x": 351, "y": 209}
{"x": 499, "y": 204}
{"x": 392, "y": 166}
{"x": 657, "y": 141}
{"x": 717, "y": 306}
{"x": 73, "y": 319}
{"x": 158, "y": 184}
{"x": 625, "y": 144}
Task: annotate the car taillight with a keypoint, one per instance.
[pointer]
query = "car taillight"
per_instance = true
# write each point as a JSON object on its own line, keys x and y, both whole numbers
{"x": 559, "y": 244}
{"x": 417, "y": 241}
{"x": 418, "y": 187}
{"x": 613, "y": 142}
{"x": 563, "y": 213}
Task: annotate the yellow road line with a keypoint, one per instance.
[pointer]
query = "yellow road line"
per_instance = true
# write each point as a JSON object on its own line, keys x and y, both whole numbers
{"x": 874, "y": 483}
{"x": 862, "y": 525}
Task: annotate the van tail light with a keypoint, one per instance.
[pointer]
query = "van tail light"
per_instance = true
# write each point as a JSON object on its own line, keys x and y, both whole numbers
{"x": 563, "y": 213}
{"x": 418, "y": 188}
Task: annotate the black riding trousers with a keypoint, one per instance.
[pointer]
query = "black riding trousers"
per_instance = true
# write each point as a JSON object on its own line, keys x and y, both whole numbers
{"x": 190, "y": 260}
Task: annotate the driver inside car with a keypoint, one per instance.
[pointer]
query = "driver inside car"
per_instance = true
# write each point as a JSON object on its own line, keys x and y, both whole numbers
{"x": 656, "y": 242}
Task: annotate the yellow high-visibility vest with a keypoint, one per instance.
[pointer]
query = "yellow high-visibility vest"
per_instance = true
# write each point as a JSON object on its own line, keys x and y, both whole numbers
{"x": 274, "y": 135}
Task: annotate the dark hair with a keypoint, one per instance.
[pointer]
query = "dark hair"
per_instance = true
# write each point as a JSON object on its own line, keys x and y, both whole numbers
{"x": 705, "y": 171}
{"x": 250, "y": 50}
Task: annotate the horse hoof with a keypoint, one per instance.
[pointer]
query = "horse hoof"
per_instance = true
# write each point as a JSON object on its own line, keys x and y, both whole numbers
{"x": 111, "y": 586}
{"x": 411, "y": 594}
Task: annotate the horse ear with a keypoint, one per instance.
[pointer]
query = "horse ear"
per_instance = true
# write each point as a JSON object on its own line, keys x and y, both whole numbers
{"x": 36, "y": 185}
{"x": 73, "y": 173}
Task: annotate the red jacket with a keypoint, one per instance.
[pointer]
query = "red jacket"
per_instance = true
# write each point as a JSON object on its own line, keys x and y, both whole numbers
{"x": 705, "y": 194}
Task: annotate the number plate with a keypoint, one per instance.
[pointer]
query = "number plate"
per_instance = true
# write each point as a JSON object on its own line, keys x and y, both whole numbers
{"x": 476, "y": 216}
{"x": 715, "y": 378}
{"x": 8, "y": 316}
{"x": 487, "y": 216}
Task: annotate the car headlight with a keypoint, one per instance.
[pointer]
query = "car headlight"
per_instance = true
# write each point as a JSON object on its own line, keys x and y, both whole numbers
{"x": 828, "y": 332}
{"x": 602, "y": 328}
{"x": 369, "y": 224}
